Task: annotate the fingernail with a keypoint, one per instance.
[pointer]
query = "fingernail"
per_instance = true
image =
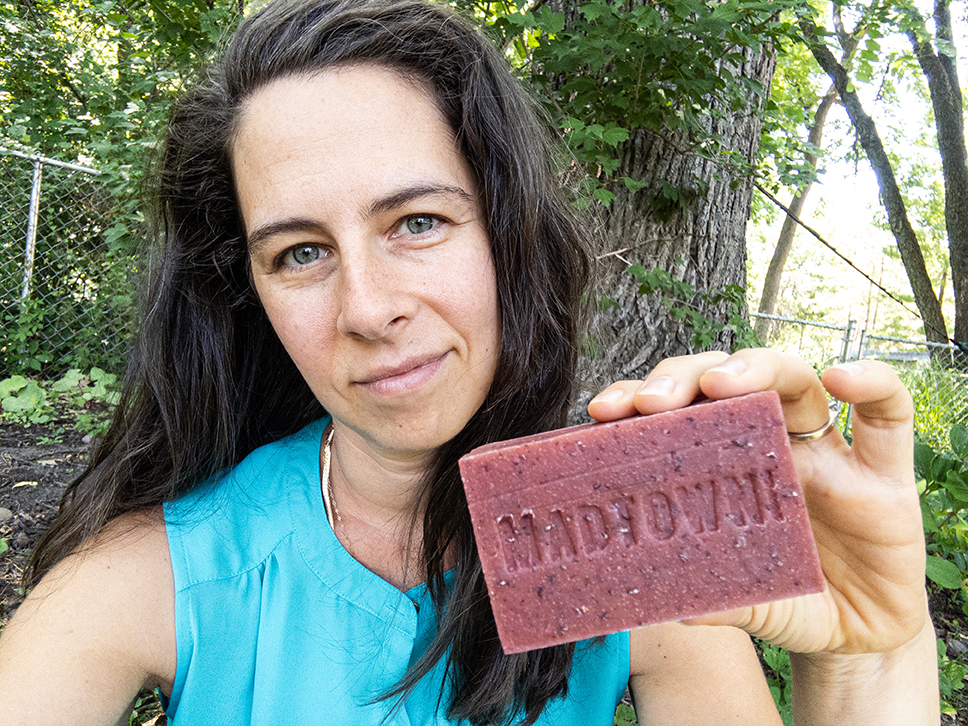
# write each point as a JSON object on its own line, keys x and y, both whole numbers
{"x": 658, "y": 386}
{"x": 853, "y": 369}
{"x": 609, "y": 396}
{"x": 733, "y": 367}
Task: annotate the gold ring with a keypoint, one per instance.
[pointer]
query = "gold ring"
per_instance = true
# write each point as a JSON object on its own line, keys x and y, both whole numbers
{"x": 816, "y": 433}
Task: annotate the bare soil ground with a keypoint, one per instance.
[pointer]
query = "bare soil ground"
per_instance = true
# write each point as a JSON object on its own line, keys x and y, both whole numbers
{"x": 37, "y": 462}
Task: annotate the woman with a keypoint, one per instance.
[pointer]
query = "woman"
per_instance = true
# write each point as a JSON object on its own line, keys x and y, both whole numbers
{"x": 365, "y": 264}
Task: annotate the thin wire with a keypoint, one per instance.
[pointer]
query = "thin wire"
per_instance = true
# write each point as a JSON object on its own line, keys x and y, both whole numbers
{"x": 961, "y": 346}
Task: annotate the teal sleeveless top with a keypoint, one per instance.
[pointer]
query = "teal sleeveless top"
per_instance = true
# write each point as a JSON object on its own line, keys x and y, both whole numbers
{"x": 277, "y": 623}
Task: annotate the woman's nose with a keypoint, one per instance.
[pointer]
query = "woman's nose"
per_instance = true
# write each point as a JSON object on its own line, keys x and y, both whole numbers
{"x": 374, "y": 298}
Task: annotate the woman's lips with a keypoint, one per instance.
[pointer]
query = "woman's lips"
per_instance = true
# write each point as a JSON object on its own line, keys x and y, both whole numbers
{"x": 410, "y": 374}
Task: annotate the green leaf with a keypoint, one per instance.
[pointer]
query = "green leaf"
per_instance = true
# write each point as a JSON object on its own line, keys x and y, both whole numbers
{"x": 633, "y": 185}
{"x": 615, "y": 135}
{"x": 607, "y": 303}
{"x": 624, "y": 715}
{"x": 943, "y": 573}
{"x": 71, "y": 380}
{"x": 593, "y": 11}
{"x": 940, "y": 466}
{"x": 923, "y": 456}
{"x": 573, "y": 124}
{"x": 927, "y": 517}
{"x": 959, "y": 440}
{"x": 550, "y": 21}
{"x": 604, "y": 196}
{"x": 11, "y": 385}
{"x": 956, "y": 485}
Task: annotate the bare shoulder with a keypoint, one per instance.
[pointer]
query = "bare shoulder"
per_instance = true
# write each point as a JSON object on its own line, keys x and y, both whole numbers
{"x": 691, "y": 674}
{"x": 97, "y": 628}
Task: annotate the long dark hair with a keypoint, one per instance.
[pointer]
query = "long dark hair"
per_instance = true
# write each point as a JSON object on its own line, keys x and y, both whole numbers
{"x": 197, "y": 397}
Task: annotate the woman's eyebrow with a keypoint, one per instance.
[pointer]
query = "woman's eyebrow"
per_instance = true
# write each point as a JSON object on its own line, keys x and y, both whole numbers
{"x": 397, "y": 199}
{"x": 258, "y": 237}
{"x": 410, "y": 194}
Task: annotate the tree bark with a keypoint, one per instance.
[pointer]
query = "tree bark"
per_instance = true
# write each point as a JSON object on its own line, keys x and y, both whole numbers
{"x": 703, "y": 244}
{"x": 935, "y": 329}
{"x": 946, "y": 99}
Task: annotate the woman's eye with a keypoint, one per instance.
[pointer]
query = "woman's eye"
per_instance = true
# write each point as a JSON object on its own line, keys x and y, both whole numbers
{"x": 302, "y": 255}
{"x": 419, "y": 223}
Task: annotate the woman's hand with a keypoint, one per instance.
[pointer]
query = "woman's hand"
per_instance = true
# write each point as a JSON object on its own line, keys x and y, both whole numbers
{"x": 862, "y": 499}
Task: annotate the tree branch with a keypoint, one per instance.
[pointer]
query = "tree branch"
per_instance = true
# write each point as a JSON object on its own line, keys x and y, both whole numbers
{"x": 81, "y": 98}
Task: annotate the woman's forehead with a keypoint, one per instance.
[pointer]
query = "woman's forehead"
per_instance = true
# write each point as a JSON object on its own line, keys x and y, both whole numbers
{"x": 351, "y": 98}
{"x": 348, "y": 136}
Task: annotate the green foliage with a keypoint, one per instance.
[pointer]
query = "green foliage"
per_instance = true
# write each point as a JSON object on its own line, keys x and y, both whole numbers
{"x": 706, "y": 314}
{"x": 80, "y": 313}
{"x": 94, "y": 76}
{"x": 794, "y": 96}
{"x": 21, "y": 338}
{"x": 625, "y": 716}
{"x": 777, "y": 672}
{"x": 940, "y": 397}
{"x": 24, "y": 400}
{"x": 91, "y": 81}
{"x": 68, "y": 328}
{"x": 30, "y": 401}
{"x": 943, "y": 480}
{"x": 667, "y": 67}
{"x": 951, "y": 678}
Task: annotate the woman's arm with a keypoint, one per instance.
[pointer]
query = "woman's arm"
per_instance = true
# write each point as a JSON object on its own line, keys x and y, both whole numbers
{"x": 98, "y": 627}
{"x": 896, "y": 688}
{"x": 697, "y": 676}
{"x": 865, "y": 643}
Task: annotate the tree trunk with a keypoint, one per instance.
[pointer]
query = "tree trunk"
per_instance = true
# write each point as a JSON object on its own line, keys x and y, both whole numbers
{"x": 703, "y": 244}
{"x": 946, "y": 99}
{"x": 771, "y": 283}
{"x": 935, "y": 329}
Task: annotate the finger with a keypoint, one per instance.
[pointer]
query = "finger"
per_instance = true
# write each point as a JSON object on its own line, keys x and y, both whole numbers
{"x": 882, "y": 416}
{"x": 673, "y": 383}
{"x": 616, "y": 401}
{"x": 803, "y": 397}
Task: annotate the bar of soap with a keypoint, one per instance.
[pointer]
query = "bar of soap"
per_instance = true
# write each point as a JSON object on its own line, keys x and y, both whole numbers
{"x": 606, "y": 527}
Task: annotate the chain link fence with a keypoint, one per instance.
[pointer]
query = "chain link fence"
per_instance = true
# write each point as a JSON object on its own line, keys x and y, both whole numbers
{"x": 65, "y": 290}
{"x": 939, "y": 391}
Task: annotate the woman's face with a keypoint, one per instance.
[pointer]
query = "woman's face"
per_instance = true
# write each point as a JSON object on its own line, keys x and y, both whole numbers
{"x": 368, "y": 252}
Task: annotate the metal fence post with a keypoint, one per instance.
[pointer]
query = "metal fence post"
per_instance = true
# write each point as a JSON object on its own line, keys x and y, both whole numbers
{"x": 31, "y": 244}
{"x": 848, "y": 338}
{"x": 860, "y": 354}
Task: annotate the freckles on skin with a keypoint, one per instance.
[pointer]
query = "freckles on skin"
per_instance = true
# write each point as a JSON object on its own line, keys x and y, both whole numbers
{"x": 338, "y": 162}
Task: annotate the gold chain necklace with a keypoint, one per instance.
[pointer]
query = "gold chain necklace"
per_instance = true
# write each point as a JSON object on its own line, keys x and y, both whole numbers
{"x": 328, "y": 501}
{"x": 332, "y": 511}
